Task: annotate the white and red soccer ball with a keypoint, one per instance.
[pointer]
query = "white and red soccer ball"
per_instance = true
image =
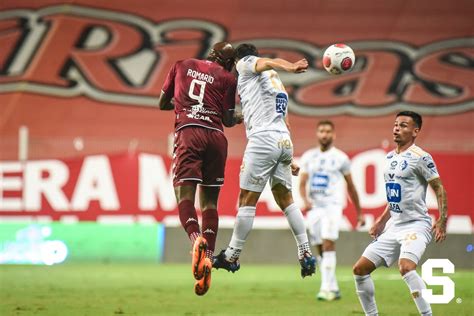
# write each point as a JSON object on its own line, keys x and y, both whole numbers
{"x": 338, "y": 59}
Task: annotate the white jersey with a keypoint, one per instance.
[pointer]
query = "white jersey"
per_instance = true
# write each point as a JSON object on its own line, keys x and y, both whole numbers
{"x": 326, "y": 171}
{"x": 263, "y": 97}
{"x": 406, "y": 180}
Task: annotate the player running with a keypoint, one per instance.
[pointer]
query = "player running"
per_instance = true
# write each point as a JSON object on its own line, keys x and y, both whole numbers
{"x": 204, "y": 99}
{"x": 325, "y": 171}
{"x": 268, "y": 155}
{"x": 408, "y": 171}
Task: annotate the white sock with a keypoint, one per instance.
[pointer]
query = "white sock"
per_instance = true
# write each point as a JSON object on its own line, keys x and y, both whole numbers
{"x": 415, "y": 284}
{"x": 366, "y": 291}
{"x": 298, "y": 228}
{"x": 328, "y": 272}
{"x": 243, "y": 226}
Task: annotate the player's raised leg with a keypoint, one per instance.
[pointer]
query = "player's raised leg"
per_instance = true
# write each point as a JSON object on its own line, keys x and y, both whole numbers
{"x": 229, "y": 259}
{"x": 284, "y": 199}
{"x": 188, "y": 216}
{"x": 365, "y": 285}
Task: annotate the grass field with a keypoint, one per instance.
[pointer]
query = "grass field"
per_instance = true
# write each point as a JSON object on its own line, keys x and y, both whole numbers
{"x": 167, "y": 289}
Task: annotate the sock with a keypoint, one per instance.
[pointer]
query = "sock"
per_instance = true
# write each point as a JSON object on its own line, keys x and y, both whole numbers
{"x": 415, "y": 284}
{"x": 243, "y": 226}
{"x": 210, "y": 226}
{"x": 366, "y": 291}
{"x": 328, "y": 272}
{"x": 296, "y": 220}
{"x": 189, "y": 220}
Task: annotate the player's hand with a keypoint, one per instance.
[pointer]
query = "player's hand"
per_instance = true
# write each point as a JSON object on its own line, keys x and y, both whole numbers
{"x": 439, "y": 229}
{"x": 295, "y": 169}
{"x": 360, "y": 221}
{"x": 300, "y": 66}
{"x": 376, "y": 230}
{"x": 238, "y": 118}
{"x": 306, "y": 206}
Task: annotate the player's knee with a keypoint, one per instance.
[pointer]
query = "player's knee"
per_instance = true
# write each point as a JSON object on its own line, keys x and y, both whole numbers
{"x": 406, "y": 266}
{"x": 358, "y": 269}
{"x": 329, "y": 245}
{"x": 248, "y": 198}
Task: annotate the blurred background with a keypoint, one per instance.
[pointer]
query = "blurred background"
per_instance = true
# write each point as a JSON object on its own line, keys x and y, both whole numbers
{"x": 84, "y": 152}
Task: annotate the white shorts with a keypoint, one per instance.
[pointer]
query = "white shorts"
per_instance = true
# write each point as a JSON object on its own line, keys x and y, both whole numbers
{"x": 323, "y": 223}
{"x": 267, "y": 156}
{"x": 406, "y": 241}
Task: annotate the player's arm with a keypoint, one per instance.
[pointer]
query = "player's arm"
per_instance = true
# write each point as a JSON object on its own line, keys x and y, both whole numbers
{"x": 354, "y": 198}
{"x": 439, "y": 226}
{"x": 232, "y": 117}
{"x": 304, "y": 176}
{"x": 264, "y": 64}
{"x": 380, "y": 223}
{"x": 164, "y": 102}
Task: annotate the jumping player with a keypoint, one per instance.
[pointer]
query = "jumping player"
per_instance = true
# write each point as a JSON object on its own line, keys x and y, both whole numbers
{"x": 408, "y": 171}
{"x": 204, "y": 99}
{"x": 268, "y": 155}
{"x": 325, "y": 172}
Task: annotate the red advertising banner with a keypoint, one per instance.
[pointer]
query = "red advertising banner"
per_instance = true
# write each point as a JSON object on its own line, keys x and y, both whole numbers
{"x": 138, "y": 187}
{"x": 94, "y": 69}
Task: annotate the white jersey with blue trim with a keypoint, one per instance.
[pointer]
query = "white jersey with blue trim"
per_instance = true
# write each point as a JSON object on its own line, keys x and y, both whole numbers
{"x": 406, "y": 180}
{"x": 326, "y": 171}
{"x": 263, "y": 97}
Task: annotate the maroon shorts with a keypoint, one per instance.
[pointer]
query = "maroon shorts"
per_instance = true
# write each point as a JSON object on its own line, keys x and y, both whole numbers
{"x": 199, "y": 156}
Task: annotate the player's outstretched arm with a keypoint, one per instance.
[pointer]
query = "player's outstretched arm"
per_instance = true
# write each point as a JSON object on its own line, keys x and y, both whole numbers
{"x": 439, "y": 227}
{"x": 264, "y": 64}
{"x": 165, "y": 103}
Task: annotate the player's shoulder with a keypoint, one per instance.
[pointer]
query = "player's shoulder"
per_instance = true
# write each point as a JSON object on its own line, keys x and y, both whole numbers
{"x": 246, "y": 63}
{"x": 311, "y": 152}
{"x": 340, "y": 153}
{"x": 418, "y": 153}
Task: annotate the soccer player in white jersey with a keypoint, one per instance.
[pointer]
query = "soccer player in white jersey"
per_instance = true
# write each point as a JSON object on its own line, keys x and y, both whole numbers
{"x": 408, "y": 171}
{"x": 325, "y": 172}
{"x": 268, "y": 155}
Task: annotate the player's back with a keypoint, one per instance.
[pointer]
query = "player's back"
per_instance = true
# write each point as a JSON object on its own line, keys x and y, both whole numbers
{"x": 263, "y": 97}
{"x": 203, "y": 90}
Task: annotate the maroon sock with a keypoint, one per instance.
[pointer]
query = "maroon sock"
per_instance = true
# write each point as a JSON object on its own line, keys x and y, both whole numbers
{"x": 210, "y": 226}
{"x": 189, "y": 220}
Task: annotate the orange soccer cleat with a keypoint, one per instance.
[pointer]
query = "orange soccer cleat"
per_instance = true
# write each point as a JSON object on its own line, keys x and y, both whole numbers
{"x": 202, "y": 286}
{"x": 199, "y": 254}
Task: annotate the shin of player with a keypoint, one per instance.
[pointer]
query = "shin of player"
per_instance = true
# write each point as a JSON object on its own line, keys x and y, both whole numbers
{"x": 268, "y": 155}
{"x": 325, "y": 173}
{"x": 404, "y": 229}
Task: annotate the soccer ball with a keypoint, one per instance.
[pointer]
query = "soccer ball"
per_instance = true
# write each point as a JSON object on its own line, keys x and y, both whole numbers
{"x": 338, "y": 59}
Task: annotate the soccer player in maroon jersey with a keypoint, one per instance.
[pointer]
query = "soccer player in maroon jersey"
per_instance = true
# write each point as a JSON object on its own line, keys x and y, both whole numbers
{"x": 204, "y": 100}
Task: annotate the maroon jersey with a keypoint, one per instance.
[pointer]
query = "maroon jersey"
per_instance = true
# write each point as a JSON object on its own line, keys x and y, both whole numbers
{"x": 203, "y": 90}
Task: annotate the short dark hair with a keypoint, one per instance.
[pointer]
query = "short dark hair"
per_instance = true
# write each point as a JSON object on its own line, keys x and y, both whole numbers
{"x": 415, "y": 116}
{"x": 326, "y": 122}
{"x": 245, "y": 50}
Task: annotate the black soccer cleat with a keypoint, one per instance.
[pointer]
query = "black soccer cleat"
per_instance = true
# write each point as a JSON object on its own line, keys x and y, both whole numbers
{"x": 219, "y": 262}
{"x": 308, "y": 265}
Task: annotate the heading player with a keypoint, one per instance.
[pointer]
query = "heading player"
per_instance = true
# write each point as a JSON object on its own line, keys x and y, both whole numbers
{"x": 268, "y": 155}
{"x": 408, "y": 171}
{"x": 325, "y": 171}
{"x": 204, "y": 99}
